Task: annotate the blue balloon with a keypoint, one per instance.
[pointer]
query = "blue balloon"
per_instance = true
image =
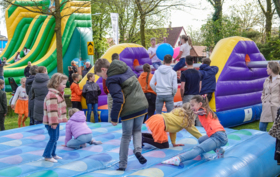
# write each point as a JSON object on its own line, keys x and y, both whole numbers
{"x": 164, "y": 49}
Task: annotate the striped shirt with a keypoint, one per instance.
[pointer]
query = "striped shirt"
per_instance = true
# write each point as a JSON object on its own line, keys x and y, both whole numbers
{"x": 54, "y": 108}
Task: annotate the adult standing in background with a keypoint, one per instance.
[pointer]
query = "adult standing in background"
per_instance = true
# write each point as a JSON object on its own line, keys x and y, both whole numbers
{"x": 33, "y": 71}
{"x": 185, "y": 50}
{"x": 87, "y": 68}
{"x": 152, "y": 54}
{"x": 2, "y": 64}
{"x": 39, "y": 92}
{"x": 27, "y": 69}
{"x": 72, "y": 70}
{"x": 270, "y": 95}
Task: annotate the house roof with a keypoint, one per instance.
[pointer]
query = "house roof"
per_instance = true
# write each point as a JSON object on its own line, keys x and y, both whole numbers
{"x": 200, "y": 50}
{"x": 172, "y": 36}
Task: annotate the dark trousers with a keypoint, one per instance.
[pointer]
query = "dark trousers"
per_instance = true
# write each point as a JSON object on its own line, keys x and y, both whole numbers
{"x": 209, "y": 96}
{"x": 77, "y": 104}
{"x": 277, "y": 151}
{"x": 151, "y": 98}
{"x": 2, "y": 120}
{"x": 148, "y": 138}
{"x": 31, "y": 116}
{"x": 37, "y": 122}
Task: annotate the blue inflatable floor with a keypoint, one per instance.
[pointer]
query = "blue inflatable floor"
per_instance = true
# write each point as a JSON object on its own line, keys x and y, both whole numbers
{"x": 248, "y": 153}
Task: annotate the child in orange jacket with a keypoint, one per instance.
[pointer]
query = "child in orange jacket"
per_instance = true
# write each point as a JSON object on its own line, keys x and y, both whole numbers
{"x": 76, "y": 92}
{"x": 144, "y": 80}
{"x": 215, "y": 137}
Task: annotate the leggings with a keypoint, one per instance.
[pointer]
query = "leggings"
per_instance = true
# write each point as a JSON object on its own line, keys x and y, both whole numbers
{"x": 21, "y": 121}
{"x": 148, "y": 138}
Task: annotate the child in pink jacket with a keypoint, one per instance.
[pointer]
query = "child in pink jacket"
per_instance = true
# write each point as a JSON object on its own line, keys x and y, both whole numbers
{"x": 77, "y": 127}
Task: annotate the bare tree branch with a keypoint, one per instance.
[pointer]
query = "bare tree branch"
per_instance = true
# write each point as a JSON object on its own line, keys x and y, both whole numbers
{"x": 262, "y": 7}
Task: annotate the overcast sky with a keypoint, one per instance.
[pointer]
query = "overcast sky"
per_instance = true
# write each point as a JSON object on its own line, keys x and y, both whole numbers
{"x": 194, "y": 17}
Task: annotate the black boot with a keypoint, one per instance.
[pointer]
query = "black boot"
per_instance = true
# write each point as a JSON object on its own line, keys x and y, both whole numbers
{"x": 140, "y": 158}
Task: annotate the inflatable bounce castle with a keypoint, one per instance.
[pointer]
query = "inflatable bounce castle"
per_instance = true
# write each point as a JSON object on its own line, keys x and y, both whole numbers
{"x": 249, "y": 153}
{"x": 36, "y": 32}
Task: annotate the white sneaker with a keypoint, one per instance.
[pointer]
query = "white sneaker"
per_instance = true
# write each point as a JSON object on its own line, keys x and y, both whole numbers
{"x": 220, "y": 153}
{"x": 57, "y": 157}
{"x": 95, "y": 142}
{"x": 173, "y": 161}
{"x": 51, "y": 160}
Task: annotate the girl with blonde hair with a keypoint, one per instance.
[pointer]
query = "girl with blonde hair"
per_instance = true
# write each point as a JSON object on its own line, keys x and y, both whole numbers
{"x": 173, "y": 122}
{"x": 21, "y": 101}
{"x": 54, "y": 113}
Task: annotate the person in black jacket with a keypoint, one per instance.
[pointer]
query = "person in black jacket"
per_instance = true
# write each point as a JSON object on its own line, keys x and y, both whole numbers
{"x": 33, "y": 71}
{"x": 91, "y": 91}
{"x": 3, "y": 105}
{"x": 27, "y": 69}
{"x": 72, "y": 70}
{"x": 39, "y": 91}
{"x": 87, "y": 68}
{"x": 208, "y": 75}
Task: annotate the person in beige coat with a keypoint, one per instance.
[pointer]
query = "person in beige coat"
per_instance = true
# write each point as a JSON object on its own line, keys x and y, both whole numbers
{"x": 270, "y": 95}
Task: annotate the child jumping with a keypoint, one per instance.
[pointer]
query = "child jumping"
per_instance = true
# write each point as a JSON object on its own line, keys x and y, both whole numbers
{"x": 77, "y": 127}
{"x": 54, "y": 113}
{"x": 21, "y": 100}
{"x": 3, "y": 105}
{"x": 172, "y": 122}
{"x": 76, "y": 92}
{"x": 91, "y": 91}
{"x": 216, "y": 136}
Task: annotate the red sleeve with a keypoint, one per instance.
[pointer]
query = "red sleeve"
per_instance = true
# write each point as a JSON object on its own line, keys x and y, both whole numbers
{"x": 105, "y": 89}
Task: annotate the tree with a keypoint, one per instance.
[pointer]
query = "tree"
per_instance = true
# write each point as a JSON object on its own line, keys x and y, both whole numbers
{"x": 217, "y": 16}
{"x": 153, "y": 7}
{"x": 277, "y": 7}
{"x": 268, "y": 16}
{"x": 229, "y": 26}
{"x": 196, "y": 35}
{"x": 129, "y": 20}
{"x": 100, "y": 24}
{"x": 59, "y": 11}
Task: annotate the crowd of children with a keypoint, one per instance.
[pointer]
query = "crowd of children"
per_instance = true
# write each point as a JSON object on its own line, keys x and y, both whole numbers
{"x": 134, "y": 100}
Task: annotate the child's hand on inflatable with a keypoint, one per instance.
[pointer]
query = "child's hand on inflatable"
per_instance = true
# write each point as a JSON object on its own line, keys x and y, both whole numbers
{"x": 175, "y": 145}
{"x": 54, "y": 126}
{"x": 114, "y": 124}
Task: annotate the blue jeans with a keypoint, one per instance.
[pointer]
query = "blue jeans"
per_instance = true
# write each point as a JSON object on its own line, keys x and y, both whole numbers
{"x": 130, "y": 128}
{"x": 206, "y": 144}
{"x": 2, "y": 77}
{"x": 51, "y": 146}
{"x": 263, "y": 126}
{"x": 95, "y": 113}
{"x": 167, "y": 99}
{"x": 180, "y": 64}
{"x": 82, "y": 139}
{"x": 156, "y": 64}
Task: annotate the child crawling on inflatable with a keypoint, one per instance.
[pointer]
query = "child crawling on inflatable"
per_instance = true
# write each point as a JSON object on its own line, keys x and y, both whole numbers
{"x": 215, "y": 138}
{"x": 173, "y": 122}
